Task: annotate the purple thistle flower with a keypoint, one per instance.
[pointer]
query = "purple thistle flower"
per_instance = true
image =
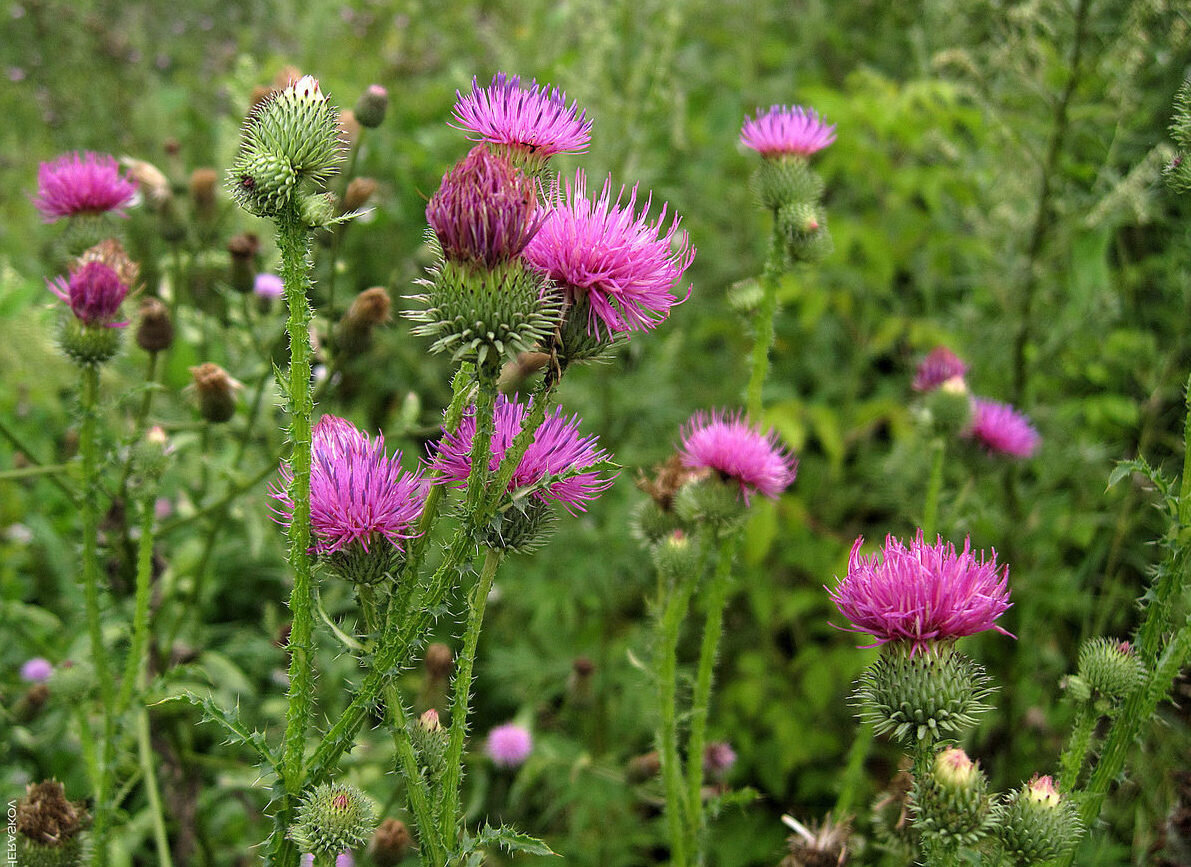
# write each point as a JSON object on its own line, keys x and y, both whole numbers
{"x": 87, "y": 183}
{"x": 557, "y": 448}
{"x": 923, "y": 593}
{"x": 730, "y": 446}
{"x": 485, "y": 211}
{"x": 94, "y": 293}
{"x": 530, "y": 118}
{"x": 718, "y": 758}
{"x": 1003, "y": 429}
{"x": 37, "y": 670}
{"x": 308, "y": 860}
{"x": 939, "y": 366}
{"x": 614, "y": 257}
{"x": 345, "y": 859}
{"x": 509, "y": 745}
{"x": 357, "y": 493}
{"x": 785, "y": 130}
{"x": 268, "y": 286}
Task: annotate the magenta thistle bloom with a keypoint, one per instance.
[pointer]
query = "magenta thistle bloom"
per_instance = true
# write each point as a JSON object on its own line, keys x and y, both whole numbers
{"x": 509, "y": 745}
{"x": 268, "y": 286}
{"x": 357, "y": 493}
{"x": 730, "y": 446}
{"x": 345, "y": 859}
{"x": 37, "y": 670}
{"x": 923, "y": 593}
{"x": 785, "y": 130}
{"x": 939, "y": 366}
{"x": 624, "y": 264}
{"x": 530, "y": 118}
{"x": 557, "y": 448}
{"x": 485, "y": 211}
{"x": 718, "y": 758}
{"x": 1003, "y": 429}
{"x": 94, "y": 293}
{"x": 87, "y": 183}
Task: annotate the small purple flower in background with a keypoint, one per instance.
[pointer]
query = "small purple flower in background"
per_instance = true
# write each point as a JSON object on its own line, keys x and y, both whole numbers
{"x": 308, "y": 860}
{"x": 939, "y": 366}
{"x": 357, "y": 493}
{"x": 557, "y": 448}
{"x": 509, "y": 745}
{"x": 615, "y": 258}
{"x": 1003, "y": 429}
{"x": 94, "y": 293}
{"x": 76, "y": 184}
{"x": 530, "y": 118}
{"x": 785, "y": 130}
{"x": 485, "y": 211}
{"x": 37, "y": 670}
{"x": 728, "y": 445}
{"x": 268, "y": 286}
{"x": 345, "y": 859}
{"x": 718, "y": 758}
{"x": 923, "y": 593}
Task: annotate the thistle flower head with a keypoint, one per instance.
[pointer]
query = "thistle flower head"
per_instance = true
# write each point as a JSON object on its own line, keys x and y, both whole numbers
{"x": 558, "y": 449}
{"x": 786, "y": 130}
{"x": 485, "y": 212}
{"x": 618, "y": 261}
{"x": 728, "y": 445}
{"x": 268, "y": 286}
{"x": 333, "y": 818}
{"x": 532, "y": 118}
{"x": 922, "y": 594}
{"x": 1037, "y": 824}
{"x": 37, "y": 670}
{"x": 82, "y": 184}
{"x": 718, "y": 758}
{"x": 939, "y": 366}
{"x": 94, "y": 292}
{"x": 509, "y": 745}
{"x": 1002, "y": 429}
{"x": 358, "y": 494}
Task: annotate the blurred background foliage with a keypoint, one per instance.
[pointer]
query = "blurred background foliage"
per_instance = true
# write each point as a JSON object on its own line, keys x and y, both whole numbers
{"x": 994, "y": 187}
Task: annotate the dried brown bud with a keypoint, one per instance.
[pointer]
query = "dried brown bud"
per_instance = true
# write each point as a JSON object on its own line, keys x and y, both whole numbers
{"x": 823, "y": 845}
{"x": 150, "y": 180}
{"x": 111, "y": 253}
{"x": 202, "y": 191}
{"x": 243, "y": 249}
{"x": 390, "y": 844}
{"x": 171, "y": 146}
{"x": 371, "y": 308}
{"x": 259, "y": 95}
{"x": 643, "y": 767}
{"x": 667, "y": 479}
{"x": 287, "y": 75}
{"x": 439, "y": 661}
{"x": 44, "y": 816}
{"x": 358, "y": 193}
{"x": 155, "y": 332}
{"x": 525, "y": 365}
{"x": 349, "y": 127}
{"x": 216, "y": 392}
{"x": 30, "y": 704}
{"x": 244, "y": 246}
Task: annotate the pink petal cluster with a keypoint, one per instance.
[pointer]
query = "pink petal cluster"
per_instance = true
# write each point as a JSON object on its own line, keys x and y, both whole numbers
{"x": 623, "y": 263}
{"x": 358, "y": 495}
{"x": 532, "y": 118}
{"x": 733, "y": 448}
{"x": 268, "y": 286}
{"x": 509, "y": 745}
{"x": 785, "y": 130}
{"x": 939, "y": 366}
{"x": 557, "y": 448}
{"x": 1003, "y": 429}
{"x": 37, "y": 670}
{"x": 94, "y": 293}
{"x": 923, "y": 593}
{"x": 718, "y": 758}
{"x": 87, "y": 183}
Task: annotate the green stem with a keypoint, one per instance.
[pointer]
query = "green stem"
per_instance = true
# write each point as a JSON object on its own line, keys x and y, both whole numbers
{"x": 481, "y": 446}
{"x": 520, "y": 445}
{"x": 32, "y": 472}
{"x": 461, "y": 698}
{"x": 930, "y": 513}
{"x": 136, "y": 663}
{"x": 152, "y": 794}
{"x": 1072, "y": 760}
{"x": 766, "y": 314}
{"x": 713, "y": 625}
{"x": 17, "y": 443}
{"x": 674, "y": 612}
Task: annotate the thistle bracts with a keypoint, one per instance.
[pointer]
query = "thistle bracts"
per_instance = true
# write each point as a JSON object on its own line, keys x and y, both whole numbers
{"x": 1178, "y": 171}
{"x": 1109, "y": 671}
{"x": 1036, "y": 823}
{"x": 333, "y": 818}
{"x": 951, "y": 805}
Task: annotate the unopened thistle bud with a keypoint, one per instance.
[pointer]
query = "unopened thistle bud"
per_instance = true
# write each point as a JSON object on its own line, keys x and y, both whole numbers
{"x": 243, "y": 250}
{"x": 349, "y": 128}
{"x": 439, "y": 661}
{"x": 710, "y": 500}
{"x": 1109, "y": 670}
{"x": 359, "y": 192}
{"x": 372, "y": 105}
{"x": 202, "y": 192}
{"x": 1036, "y": 823}
{"x": 675, "y": 558}
{"x": 951, "y": 803}
{"x": 150, "y": 453}
{"x": 522, "y": 527}
{"x": 333, "y": 818}
{"x": 369, "y": 309}
{"x": 48, "y": 827}
{"x": 150, "y": 180}
{"x": 155, "y": 331}
{"x": 216, "y": 392}
{"x": 73, "y": 682}
{"x": 429, "y": 738}
{"x": 390, "y": 844}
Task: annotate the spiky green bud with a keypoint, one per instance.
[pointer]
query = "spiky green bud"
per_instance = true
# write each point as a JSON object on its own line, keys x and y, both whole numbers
{"x": 1109, "y": 669}
{"x": 1036, "y": 824}
{"x": 429, "y": 738}
{"x": 66, "y": 854}
{"x": 710, "y": 500}
{"x": 574, "y": 340}
{"x": 651, "y": 523}
{"x": 521, "y": 528}
{"x": 786, "y": 180}
{"x": 951, "y": 804}
{"x": 1180, "y": 122}
{"x": 676, "y": 557}
{"x": 333, "y": 818}
{"x": 73, "y": 682}
{"x": 924, "y": 696}
{"x": 949, "y": 407}
{"x": 88, "y": 345}
{"x": 352, "y": 563}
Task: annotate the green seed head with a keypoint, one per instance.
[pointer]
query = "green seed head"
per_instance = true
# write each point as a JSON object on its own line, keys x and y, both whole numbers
{"x": 333, "y": 818}
{"x": 88, "y": 345}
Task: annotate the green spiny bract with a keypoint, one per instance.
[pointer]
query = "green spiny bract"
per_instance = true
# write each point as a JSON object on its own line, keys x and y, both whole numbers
{"x": 921, "y": 698}
{"x": 948, "y": 407}
{"x": 574, "y": 340}
{"x": 710, "y": 500}
{"x": 88, "y": 345}
{"x": 333, "y": 818}
{"x": 676, "y": 558}
{"x": 429, "y": 739}
{"x": 521, "y": 528}
{"x": 786, "y": 180}
{"x": 951, "y": 804}
{"x": 65, "y": 854}
{"x": 485, "y": 315}
{"x": 804, "y": 228}
{"x": 1036, "y": 824}
{"x": 353, "y": 563}
{"x": 651, "y": 523}
{"x": 1180, "y": 122}
{"x": 1109, "y": 671}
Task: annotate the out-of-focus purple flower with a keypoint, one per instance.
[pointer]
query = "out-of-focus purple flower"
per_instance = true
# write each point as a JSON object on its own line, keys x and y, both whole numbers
{"x": 624, "y": 264}
{"x": 308, "y": 860}
{"x": 37, "y": 670}
{"x": 534, "y": 119}
{"x": 76, "y": 184}
{"x": 1003, "y": 429}
{"x": 509, "y": 745}
{"x": 357, "y": 493}
{"x": 729, "y": 446}
{"x": 785, "y": 130}
{"x": 268, "y": 286}
{"x": 485, "y": 211}
{"x": 939, "y": 366}
{"x": 557, "y": 448}
{"x": 345, "y": 859}
{"x": 94, "y": 293}
{"x": 923, "y": 593}
{"x": 718, "y": 758}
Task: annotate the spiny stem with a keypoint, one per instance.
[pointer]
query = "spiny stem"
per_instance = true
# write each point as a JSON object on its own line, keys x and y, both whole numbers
{"x": 160, "y": 838}
{"x": 481, "y": 446}
{"x": 767, "y": 312}
{"x": 1071, "y": 762}
{"x": 520, "y": 445}
{"x": 136, "y": 663}
{"x": 673, "y": 612}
